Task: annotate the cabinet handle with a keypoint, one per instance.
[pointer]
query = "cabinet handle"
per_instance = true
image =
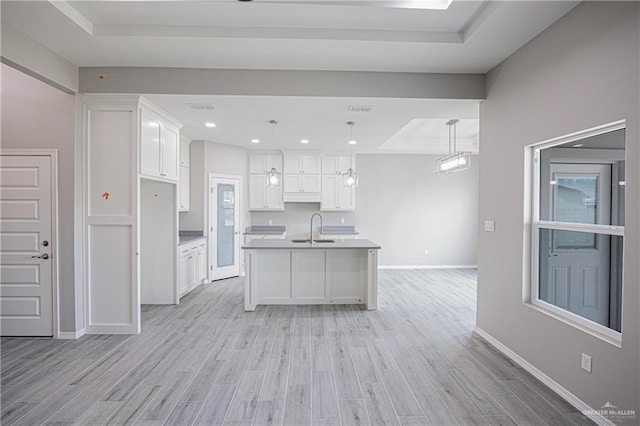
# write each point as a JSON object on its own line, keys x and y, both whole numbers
{"x": 163, "y": 174}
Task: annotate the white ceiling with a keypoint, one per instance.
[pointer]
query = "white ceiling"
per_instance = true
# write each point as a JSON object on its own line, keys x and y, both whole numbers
{"x": 323, "y": 122}
{"x": 350, "y": 35}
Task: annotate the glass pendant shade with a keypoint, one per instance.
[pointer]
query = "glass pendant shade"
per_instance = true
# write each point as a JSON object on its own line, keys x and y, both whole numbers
{"x": 273, "y": 177}
{"x": 453, "y": 163}
{"x": 350, "y": 178}
{"x": 456, "y": 160}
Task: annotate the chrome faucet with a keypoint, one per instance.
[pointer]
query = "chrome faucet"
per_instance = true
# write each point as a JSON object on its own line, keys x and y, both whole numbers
{"x": 311, "y": 226}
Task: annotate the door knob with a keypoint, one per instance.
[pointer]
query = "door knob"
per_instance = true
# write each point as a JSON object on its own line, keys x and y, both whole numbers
{"x": 45, "y": 243}
{"x": 43, "y": 256}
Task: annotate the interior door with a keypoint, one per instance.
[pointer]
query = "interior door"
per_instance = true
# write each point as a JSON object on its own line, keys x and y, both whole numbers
{"x": 578, "y": 262}
{"x": 224, "y": 228}
{"x": 26, "y": 268}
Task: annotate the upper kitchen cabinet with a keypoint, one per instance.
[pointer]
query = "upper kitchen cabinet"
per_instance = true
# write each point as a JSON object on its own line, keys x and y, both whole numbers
{"x": 335, "y": 164}
{"x": 302, "y": 181}
{"x": 261, "y": 163}
{"x": 336, "y": 196}
{"x": 159, "y": 138}
{"x": 261, "y": 195}
{"x": 184, "y": 184}
{"x": 302, "y": 163}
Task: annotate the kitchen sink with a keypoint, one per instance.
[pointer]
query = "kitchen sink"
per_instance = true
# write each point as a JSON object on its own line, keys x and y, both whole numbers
{"x": 315, "y": 241}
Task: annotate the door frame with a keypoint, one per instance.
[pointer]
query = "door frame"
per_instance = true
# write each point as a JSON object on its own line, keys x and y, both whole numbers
{"x": 239, "y": 204}
{"x": 55, "y": 262}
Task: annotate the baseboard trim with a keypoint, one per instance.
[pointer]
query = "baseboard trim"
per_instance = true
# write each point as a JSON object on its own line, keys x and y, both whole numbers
{"x": 427, "y": 266}
{"x": 538, "y": 374}
{"x": 70, "y": 335}
{"x": 111, "y": 329}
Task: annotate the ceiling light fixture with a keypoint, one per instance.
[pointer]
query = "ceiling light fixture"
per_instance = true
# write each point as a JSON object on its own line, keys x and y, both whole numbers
{"x": 304, "y": 141}
{"x": 273, "y": 176}
{"x": 210, "y": 124}
{"x": 456, "y": 161}
{"x": 350, "y": 177}
{"x": 255, "y": 140}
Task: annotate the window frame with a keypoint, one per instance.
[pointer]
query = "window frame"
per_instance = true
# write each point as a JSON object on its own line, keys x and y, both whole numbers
{"x": 600, "y": 331}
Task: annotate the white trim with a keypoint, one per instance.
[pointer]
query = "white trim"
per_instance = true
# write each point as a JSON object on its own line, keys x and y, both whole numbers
{"x": 71, "y": 335}
{"x": 427, "y": 266}
{"x": 582, "y": 134}
{"x": 76, "y": 17}
{"x": 580, "y": 227}
{"x": 548, "y": 381}
{"x": 55, "y": 261}
{"x": 112, "y": 329}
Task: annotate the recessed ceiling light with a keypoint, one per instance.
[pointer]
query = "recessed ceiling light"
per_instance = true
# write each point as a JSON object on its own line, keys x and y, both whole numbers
{"x": 210, "y": 124}
{"x": 578, "y": 145}
{"x": 352, "y": 142}
{"x": 255, "y": 140}
{"x": 305, "y": 141}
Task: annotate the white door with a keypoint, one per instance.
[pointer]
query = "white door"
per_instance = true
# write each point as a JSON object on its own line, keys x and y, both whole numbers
{"x": 224, "y": 227}
{"x": 26, "y": 266}
{"x": 578, "y": 262}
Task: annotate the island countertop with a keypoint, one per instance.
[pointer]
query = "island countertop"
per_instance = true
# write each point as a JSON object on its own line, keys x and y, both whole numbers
{"x": 289, "y": 245}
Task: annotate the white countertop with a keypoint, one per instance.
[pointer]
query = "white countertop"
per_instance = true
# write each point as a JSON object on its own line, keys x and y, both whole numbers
{"x": 288, "y": 245}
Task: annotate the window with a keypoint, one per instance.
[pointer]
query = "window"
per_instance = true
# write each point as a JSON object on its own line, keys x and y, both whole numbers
{"x": 578, "y": 229}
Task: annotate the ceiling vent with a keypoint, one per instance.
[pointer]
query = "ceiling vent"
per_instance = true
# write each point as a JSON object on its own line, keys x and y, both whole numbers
{"x": 202, "y": 106}
{"x": 360, "y": 108}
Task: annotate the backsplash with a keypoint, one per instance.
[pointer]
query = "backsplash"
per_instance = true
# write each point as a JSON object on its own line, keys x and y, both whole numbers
{"x": 296, "y": 217}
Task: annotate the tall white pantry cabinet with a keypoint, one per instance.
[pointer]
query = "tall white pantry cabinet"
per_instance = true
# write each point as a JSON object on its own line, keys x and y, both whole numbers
{"x": 130, "y": 175}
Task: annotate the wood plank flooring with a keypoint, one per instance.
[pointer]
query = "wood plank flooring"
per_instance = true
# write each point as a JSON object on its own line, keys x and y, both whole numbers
{"x": 414, "y": 361}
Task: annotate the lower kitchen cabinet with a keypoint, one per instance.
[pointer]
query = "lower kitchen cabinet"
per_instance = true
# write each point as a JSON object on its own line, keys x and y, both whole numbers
{"x": 193, "y": 265}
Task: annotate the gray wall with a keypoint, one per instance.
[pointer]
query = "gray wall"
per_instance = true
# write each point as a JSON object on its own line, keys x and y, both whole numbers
{"x": 209, "y": 157}
{"x": 36, "y": 115}
{"x": 297, "y": 216}
{"x": 583, "y": 71}
{"x": 33, "y": 58}
{"x": 405, "y": 207}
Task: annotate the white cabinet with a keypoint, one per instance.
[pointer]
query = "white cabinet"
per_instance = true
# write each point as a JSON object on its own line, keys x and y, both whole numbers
{"x": 184, "y": 187}
{"x": 302, "y": 163}
{"x": 202, "y": 262}
{"x": 336, "y": 196}
{"x": 334, "y": 164}
{"x": 302, "y": 179}
{"x": 264, "y": 163}
{"x": 261, "y": 195}
{"x": 184, "y": 151}
{"x": 193, "y": 265}
{"x": 158, "y": 147}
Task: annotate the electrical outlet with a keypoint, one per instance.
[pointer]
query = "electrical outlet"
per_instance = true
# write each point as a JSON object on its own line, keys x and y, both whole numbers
{"x": 426, "y": 252}
{"x": 489, "y": 226}
{"x": 270, "y": 222}
{"x": 586, "y": 363}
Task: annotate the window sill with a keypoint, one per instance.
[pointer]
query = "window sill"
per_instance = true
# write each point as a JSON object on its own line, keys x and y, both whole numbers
{"x": 593, "y": 329}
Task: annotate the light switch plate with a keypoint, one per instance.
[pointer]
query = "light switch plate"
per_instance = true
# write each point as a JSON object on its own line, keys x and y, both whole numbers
{"x": 489, "y": 226}
{"x": 585, "y": 364}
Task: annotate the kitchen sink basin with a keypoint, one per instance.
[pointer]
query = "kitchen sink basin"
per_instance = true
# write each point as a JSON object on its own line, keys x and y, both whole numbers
{"x": 315, "y": 241}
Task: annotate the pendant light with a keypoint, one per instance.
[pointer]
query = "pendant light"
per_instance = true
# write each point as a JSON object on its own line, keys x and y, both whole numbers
{"x": 456, "y": 160}
{"x": 350, "y": 178}
{"x": 273, "y": 176}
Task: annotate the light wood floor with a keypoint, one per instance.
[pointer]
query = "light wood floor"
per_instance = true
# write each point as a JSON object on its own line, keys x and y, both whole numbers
{"x": 414, "y": 361}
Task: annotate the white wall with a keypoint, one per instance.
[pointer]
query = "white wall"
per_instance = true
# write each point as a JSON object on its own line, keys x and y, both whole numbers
{"x": 36, "y": 115}
{"x": 583, "y": 71}
{"x": 405, "y": 207}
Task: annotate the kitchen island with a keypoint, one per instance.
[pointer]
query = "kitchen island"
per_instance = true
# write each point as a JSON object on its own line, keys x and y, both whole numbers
{"x": 284, "y": 272}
